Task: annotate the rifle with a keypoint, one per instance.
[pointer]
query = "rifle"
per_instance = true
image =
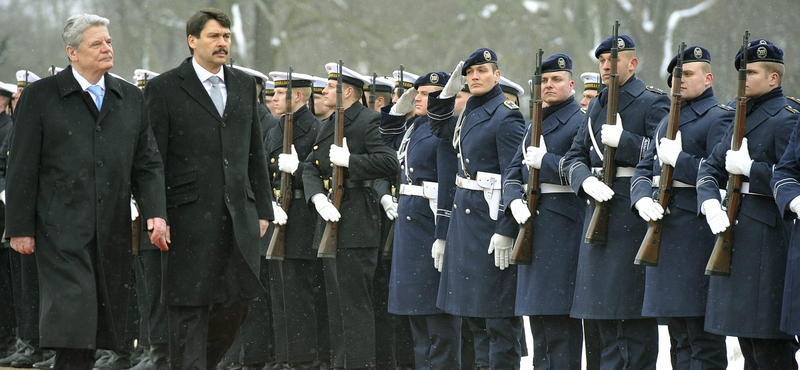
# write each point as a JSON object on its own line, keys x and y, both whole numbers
{"x": 388, "y": 247}
{"x": 597, "y": 232}
{"x": 372, "y": 91}
{"x": 136, "y": 231}
{"x": 277, "y": 242}
{"x": 330, "y": 237}
{"x": 651, "y": 244}
{"x": 719, "y": 263}
{"x": 522, "y": 254}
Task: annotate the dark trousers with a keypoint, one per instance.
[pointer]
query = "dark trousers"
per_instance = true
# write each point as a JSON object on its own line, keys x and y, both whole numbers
{"x": 200, "y": 335}
{"x": 593, "y": 344}
{"x": 294, "y": 311}
{"x": 8, "y": 318}
{"x": 348, "y": 284}
{"x": 25, "y": 277}
{"x": 74, "y": 359}
{"x": 769, "y": 354}
{"x": 153, "y": 326}
{"x": 480, "y": 340}
{"x": 504, "y": 348}
{"x": 695, "y": 348}
{"x": 467, "y": 347}
{"x": 321, "y": 303}
{"x": 628, "y": 344}
{"x": 257, "y": 330}
{"x": 437, "y": 341}
{"x": 394, "y": 345}
{"x": 557, "y": 342}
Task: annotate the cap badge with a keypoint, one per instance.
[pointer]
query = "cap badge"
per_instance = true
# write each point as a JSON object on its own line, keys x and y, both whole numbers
{"x": 620, "y": 43}
{"x": 487, "y": 55}
{"x": 434, "y": 78}
{"x": 698, "y": 53}
{"x": 561, "y": 63}
{"x": 761, "y": 52}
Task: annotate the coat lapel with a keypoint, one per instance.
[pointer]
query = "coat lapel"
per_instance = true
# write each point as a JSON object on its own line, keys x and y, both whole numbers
{"x": 236, "y": 87}
{"x": 112, "y": 99}
{"x": 67, "y": 84}
{"x": 192, "y": 85}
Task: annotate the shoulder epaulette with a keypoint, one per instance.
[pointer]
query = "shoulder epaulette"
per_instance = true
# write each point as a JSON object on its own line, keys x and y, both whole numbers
{"x": 792, "y": 98}
{"x": 725, "y": 107}
{"x": 655, "y": 90}
{"x": 583, "y": 110}
{"x": 790, "y": 109}
{"x": 510, "y": 105}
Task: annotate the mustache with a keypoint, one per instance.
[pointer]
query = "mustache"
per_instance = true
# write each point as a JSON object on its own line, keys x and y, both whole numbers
{"x": 221, "y": 50}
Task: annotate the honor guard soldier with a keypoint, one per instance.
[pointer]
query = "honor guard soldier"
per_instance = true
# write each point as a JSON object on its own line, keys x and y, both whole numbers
{"x": 677, "y": 288}
{"x": 591, "y": 85}
{"x": 407, "y": 81}
{"x": 486, "y": 136}
{"x": 745, "y": 304}
{"x": 609, "y": 288}
{"x": 292, "y": 281}
{"x": 545, "y": 287}
{"x": 384, "y": 89}
{"x": 414, "y": 282}
{"x": 321, "y": 111}
{"x": 268, "y": 119}
{"x": 349, "y": 276}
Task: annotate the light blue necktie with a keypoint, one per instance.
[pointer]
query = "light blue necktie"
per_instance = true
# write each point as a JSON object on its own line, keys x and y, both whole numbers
{"x": 97, "y": 91}
{"x": 216, "y": 94}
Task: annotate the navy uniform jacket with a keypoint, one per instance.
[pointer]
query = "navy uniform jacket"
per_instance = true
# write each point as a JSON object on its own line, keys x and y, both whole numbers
{"x": 678, "y": 286}
{"x": 471, "y": 285}
{"x": 745, "y": 304}
{"x": 546, "y": 286}
{"x": 608, "y": 284}
{"x": 370, "y": 159}
{"x": 414, "y": 281}
{"x": 297, "y": 230}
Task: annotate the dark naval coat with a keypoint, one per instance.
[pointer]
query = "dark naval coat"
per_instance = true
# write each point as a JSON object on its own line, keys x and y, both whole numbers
{"x": 608, "y": 284}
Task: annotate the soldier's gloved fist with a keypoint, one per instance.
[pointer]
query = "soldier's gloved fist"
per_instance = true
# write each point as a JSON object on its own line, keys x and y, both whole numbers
{"x": 534, "y": 155}
{"x": 405, "y": 104}
{"x": 325, "y": 208}
{"x": 738, "y": 162}
{"x": 437, "y": 252}
{"x": 340, "y": 155}
{"x": 389, "y": 206}
{"x": 716, "y": 217}
{"x": 648, "y": 209}
{"x": 596, "y": 189}
{"x": 794, "y": 205}
{"x": 280, "y": 215}
{"x": 501, "y": 246}
{"x": 520, "y": 211}
{"x": 610, "y": 134}
{"x": 454, "y": 84}
{"x": 669, "y": 150}
{"x": 288, "y": 162}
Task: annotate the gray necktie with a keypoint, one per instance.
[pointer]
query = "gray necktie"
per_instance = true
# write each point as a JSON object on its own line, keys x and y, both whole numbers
{"x": 216, "y": 94}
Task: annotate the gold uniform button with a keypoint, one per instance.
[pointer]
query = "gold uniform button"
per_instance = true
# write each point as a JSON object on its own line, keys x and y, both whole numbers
{"x": 408, "y": 218}
{"x": 467, "y": 211}
{"x": 455, "y": 206}
{"x": 331, "y": 164}
{"x": 316, "y": 147}
{"x": 316, "y": 162}
{"x": 272, "y": 160}
{"x": 410, "y": 170}
{"x": 274, "y": 174}
{"x": 467, "y": 160}
{"x": 588, "y": 202}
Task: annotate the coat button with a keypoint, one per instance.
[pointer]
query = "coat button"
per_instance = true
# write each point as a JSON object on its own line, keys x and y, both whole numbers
{"x": 316, "y": 147}
{"x": 316, "y": 162}
{"x": 274, "y": 174}
{"x": 270, "y": 161}
{"x": 588, "y": 203}
{"x": 467, "y": 160}
{"x": 223, "y": 124}
{"x": 99, "y": 163}
{"x": 455, "y": 206}
{"x": 410, "y": 170}
{"x": 467, "y": 211}
{"x": 97, "y": 128}
{"x": 408, "y": 218}
{"x": 225, "y": 161}
{"x": 227, "y": 198}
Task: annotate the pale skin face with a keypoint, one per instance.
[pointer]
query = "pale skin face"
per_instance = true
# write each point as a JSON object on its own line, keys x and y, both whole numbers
{"x": 461, "y": 101}
{"x": 278, "y": 103}
{"x": 421, "y": 100}
{"x": 588, "y": 95}
{"x": 481, "y": 79}
{"x": 321, "y": 110}
{"x": 694, "y": 82}
{"x": 329, "y": 95}
{"x": 556, "y": 87}
{"x": 94, "y": 56}
{"x": 759, "y": 82}
{"x": 626, "y": 64}
{"x": 211, "y": 49}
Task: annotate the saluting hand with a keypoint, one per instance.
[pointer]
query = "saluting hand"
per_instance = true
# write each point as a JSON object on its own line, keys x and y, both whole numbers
{"x": 405, "y": 104}
{"x": 454, "y": 84}
{"x": 158, "y": 231}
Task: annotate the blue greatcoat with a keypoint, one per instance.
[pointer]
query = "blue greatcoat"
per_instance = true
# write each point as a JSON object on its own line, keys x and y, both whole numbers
{"x": 746, "y": 303}
{"x": 546, "y": 286}
{"x": 678, "y": 286}
{"x": 471, "y": 285}
{"x": 608, "y": 285}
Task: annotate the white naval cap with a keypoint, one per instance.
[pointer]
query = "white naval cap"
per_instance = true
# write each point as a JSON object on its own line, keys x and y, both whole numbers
{"x": 408, "y": 79}
{"x": 262, "y": 78}
{"x": 591, "y": 80}
{"x": 269, "y": 88}
{"x": 382, "y": 84}
{"x": 510, "y": 87}
{"x": 54, "y": 70}
{"x": 349, "y": 76}
{"x": 7, "y": 89}
{"x": 25, "y": 78}
{"x": 319, "y": 84}
{"x": 141, "y": 76}
{"x": 281, "y": 79}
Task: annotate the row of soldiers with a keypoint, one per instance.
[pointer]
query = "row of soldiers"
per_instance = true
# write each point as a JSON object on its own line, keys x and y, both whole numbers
{"x": 462, "y": 149}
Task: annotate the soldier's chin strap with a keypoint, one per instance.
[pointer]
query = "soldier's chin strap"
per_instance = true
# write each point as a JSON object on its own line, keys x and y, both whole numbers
{"x": 457, "y": 142}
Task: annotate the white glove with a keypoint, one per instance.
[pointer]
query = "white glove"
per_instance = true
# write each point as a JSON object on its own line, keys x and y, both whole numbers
{"x": 669, "y": 150}
{"x": 3, "y": 196}
{"x": 389, "y": 205}
{"x": 405, "y": 104}
{"x": 288, "y": 162}
{"x": 501, "y": 246}
{"x": 648, "y": 209}
{"x": 340, "y": 155}
{"x": 134, "y": 211}
{"x": 437, "y": 252}
{"x": 325, "y": 208}
{"x": 455, "y": 83}
{"x": 794, "y": 205}
{"x": 534, "y": 155}
{"x": 738, "y": 162}
{"x": 520, "y": 211}
{"x": 715, "y": 216}
{"x": 280, "y": 215}
{"x": 610, "y": 134}
{"x": 596, "y": 189}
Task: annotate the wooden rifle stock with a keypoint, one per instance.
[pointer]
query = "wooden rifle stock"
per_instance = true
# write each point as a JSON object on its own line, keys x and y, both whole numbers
{"x": 719, "y": 263}
{"x": 136, "y": 231}
{"x": 651, "y": 244}
{"x": 522, "y": 254}
{"x": 276, "y": 249}
{"x": 330, "y": 237}
{"x": 597, "y": 231}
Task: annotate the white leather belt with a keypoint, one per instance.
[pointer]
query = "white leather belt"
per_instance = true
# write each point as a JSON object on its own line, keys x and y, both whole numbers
{"x": 746, "y": 190}
{"x": 414, "y": 190}
{"x": 675, "y": 183}
{"x": 621, "y": 171}
{"x": 545, "y": 188}
{"x": 475, "y": 185}
{"x": 427, "y": 190}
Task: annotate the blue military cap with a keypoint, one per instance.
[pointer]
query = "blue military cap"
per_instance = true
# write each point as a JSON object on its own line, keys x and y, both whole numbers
{"x": 692, "y": 54}
{"x": 624, "y": 43}
{"x": 480, "y": 56}
{"x": 760, "y": 50}
{"x": 432, "y": 79}
{"x": 557, "y": 62}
